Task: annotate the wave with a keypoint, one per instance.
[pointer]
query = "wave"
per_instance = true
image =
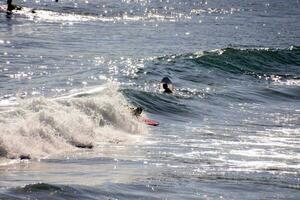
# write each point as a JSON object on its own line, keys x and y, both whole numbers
{"x": 159, "y": 103}
{"x": 284, "y": 62}
{"x": 46, "y": 191}
{"x": 57, "y": 191}
{"x": 255, "y": 74}
{"x": 215, "y": 78}
{"x": 259, "y": 62}
{"x": 40, "y": 127}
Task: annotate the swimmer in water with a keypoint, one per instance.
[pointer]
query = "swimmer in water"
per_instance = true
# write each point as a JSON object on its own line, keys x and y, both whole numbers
{"x": 11, "y": 6}
{"x": 137, "y": 111}
{"x": 166, "y": 89}
{"x": 166, "y": 85}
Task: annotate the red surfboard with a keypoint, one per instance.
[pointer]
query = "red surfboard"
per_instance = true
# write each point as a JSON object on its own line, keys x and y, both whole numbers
{"x": 149, "y": 121}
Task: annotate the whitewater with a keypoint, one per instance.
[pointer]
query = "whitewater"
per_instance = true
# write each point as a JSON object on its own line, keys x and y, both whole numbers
{"x": 72, "y": 71}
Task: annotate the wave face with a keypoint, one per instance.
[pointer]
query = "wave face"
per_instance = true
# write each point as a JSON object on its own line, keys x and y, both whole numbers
{"x": 219, "y": 77}
{"x": 228, "y": 62}
{"x": 46, "y": 191}
{"x": 40, "y": 127}
{"x": 257, "y": 62}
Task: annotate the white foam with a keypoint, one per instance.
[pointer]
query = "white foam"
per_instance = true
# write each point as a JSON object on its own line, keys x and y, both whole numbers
{"x": 70, "y": 18}
{"x": 8, "y": 102}
{"x": 41, "y": 126}
{"x": 289, "y": 82}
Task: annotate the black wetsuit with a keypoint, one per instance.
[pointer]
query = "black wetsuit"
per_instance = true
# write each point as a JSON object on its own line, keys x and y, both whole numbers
{"x": 137, "y": 111}
{"x": 11, "y": 7}
{"x": 165, "y": 82}
{"x": 167, "y": 90}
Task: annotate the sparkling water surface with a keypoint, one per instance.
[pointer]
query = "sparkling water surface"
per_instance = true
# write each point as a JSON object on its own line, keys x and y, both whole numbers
{"x": 70, "y": 71}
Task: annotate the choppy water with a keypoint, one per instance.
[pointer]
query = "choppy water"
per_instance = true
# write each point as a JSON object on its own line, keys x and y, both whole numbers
{"x": 70, "y": 71}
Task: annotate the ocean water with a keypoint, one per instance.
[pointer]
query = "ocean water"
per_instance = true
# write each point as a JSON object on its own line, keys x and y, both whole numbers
{"x": 71, "y": 71}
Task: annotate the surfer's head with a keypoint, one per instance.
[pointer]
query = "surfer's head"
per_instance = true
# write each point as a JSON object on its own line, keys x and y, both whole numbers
{"x": 165, "y": 86}
{"x": 137, "y": 111}
{"x": 9, "y": 2}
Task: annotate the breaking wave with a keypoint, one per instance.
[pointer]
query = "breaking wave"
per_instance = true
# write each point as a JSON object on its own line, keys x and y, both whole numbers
{"x": 40, "y": 127}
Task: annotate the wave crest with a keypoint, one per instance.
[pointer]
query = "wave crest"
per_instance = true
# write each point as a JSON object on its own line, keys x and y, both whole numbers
{"x": 261, "y": 63}
{"x": 41, "y": 126}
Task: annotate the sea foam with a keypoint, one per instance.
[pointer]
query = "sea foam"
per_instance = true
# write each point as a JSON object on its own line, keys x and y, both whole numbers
{"x": 40, "y": 127}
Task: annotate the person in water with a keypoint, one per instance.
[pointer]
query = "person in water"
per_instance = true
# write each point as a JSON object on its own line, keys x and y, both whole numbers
{"x": 166, "y": 85}
{"x": 11, "y": 6}
{"x": 166, "y": 89}
{"x": 137, "y": 111}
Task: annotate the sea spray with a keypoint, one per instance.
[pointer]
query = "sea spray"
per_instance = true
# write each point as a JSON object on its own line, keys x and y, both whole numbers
{"x": 43, "y": 126}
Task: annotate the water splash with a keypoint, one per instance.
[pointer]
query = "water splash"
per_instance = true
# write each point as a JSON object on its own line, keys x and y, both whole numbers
{"x": 40, "y": 127}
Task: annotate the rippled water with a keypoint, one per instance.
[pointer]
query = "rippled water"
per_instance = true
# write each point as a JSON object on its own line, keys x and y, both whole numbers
{"x": 71, "y": 70}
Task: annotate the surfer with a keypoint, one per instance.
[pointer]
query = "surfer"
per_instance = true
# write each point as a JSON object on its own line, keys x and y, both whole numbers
{"x": 137, "y": 111}
{"x": 166, "y": 85}
{"x": 11, "y": 6}
{"x": 166, "y": 89}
